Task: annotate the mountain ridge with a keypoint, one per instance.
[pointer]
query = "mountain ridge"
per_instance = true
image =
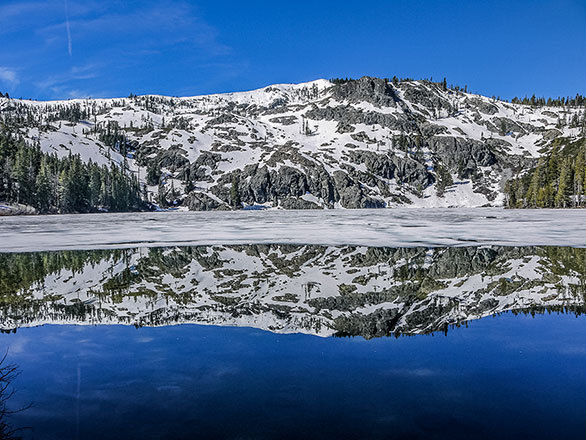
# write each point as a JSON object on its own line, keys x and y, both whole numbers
{"x": 366, "y": 143}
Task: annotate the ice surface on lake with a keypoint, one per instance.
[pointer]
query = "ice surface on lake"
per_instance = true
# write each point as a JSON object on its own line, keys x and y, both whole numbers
{"x": 384, "y": 227}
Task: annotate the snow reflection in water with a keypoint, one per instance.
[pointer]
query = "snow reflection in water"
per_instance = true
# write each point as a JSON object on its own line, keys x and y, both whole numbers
{"x": 321, "y": 290}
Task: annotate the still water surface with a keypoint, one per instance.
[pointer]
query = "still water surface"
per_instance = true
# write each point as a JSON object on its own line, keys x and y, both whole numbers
{"x": 507, "y": 377}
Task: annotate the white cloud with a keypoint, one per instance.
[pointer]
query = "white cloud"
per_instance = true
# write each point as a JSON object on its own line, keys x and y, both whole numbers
{"x": 14, "y": 11}
{"x": 60, "y": 84}
{"x": 67, "y": 25}
{"x": 8, "y": 76}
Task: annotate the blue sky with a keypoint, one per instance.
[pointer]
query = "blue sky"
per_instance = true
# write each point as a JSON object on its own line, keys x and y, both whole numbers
{"x": 65, "y": 48}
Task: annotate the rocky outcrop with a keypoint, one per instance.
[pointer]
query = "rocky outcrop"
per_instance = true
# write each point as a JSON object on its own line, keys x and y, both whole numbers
{"x": 461, "y": 154}
{"x": 174, "y": 159}
{"x": 284, "y": 120}
{"x": 428, "y": 96}
{"x": 404, "y": 170}
{"x": 375, "y": 91}
{"x": 198, "y": 201}
{"x": 298, "y": 203}
{"x": 482, "y": 106}
{"x": 353, "y": 116}
{"x": 16, "y": 209}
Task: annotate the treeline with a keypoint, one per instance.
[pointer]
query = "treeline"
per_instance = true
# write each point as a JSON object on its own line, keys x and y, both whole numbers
{"x": 63, "y": 185}
{"x": 558, "y": 180}
{"x": 341, "y": 80}
{"x": 577, "y": 101}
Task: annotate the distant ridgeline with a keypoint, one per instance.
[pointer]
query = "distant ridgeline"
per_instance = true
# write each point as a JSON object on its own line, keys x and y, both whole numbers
{"x": 62, "y": 185}
{"x": 558, "y": 180}
{"x": 342, "y": 143}
{"x": 323, "y": 290}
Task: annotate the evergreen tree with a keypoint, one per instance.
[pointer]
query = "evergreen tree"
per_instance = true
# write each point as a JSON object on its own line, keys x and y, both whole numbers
{"x": 564, "y": 185}
{"x": 95, "y": 185}
{"x": 235, "y": 192}
{"x": 162, "y": 196}
{"x": 64, "y": 193}
{"x": 153, "y": 176}
{"x": 43, "y": 187}
{"x": 444, "y": 179}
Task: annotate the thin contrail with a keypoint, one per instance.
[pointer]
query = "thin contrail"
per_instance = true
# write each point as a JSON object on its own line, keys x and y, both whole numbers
{"x": 69, "y": 47}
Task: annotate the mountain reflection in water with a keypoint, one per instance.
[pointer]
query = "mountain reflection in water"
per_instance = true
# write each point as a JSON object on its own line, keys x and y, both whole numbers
{"x": 321, "y": 290}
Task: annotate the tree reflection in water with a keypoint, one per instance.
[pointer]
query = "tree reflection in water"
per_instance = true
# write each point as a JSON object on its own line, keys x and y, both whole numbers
{"x": 323, "y": 290}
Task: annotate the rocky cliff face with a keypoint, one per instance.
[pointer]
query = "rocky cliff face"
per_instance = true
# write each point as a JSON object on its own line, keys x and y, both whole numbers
{"x": 343, "y": 290}
{"x": 358, "y": 144}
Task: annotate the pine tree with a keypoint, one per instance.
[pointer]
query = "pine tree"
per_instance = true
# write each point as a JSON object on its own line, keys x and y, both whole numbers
{"x": 95, "y": 185}
{"x": 537, "y": 182}
{"x": 43, "y": 188}
{"x": 22, "y": 175}
{"x": 63, "y": 192}
{"x": 444, "y": 179}
{"x": 235, "y": 192}
{"x": 564, "y": 185}
{"x": 579, "y": 178}
{"x": 162, "y": 196}
{"x": 153, "y": 176}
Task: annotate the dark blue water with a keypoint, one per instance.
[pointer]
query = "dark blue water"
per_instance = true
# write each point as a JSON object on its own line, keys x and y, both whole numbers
{"x": 504, "y": 377}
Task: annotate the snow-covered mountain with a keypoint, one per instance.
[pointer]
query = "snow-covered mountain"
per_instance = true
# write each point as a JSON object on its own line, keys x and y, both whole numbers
{"x": 320, "y": 290}
{"x": 361, "y": 143}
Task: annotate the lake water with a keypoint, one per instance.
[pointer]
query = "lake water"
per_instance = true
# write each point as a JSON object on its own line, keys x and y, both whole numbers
{"x": 512, "y": 376}
{"x": 271, "y": 325}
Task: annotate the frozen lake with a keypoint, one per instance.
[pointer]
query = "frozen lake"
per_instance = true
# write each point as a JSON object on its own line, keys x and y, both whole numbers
{"x": 384, "y": 227}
